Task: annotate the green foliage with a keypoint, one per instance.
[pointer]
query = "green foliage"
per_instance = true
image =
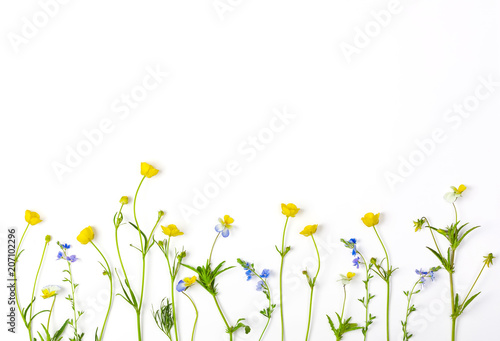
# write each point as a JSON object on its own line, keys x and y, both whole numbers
{"x": 58, "y": 335}
{"x": 378, "y": 268}
{"x": 239, "y": 324}
{"x": 164, "y": 317}
{"x": 283, "y": 254}
{"x": 206, "y": 276}
{"x": 345, "y": 326}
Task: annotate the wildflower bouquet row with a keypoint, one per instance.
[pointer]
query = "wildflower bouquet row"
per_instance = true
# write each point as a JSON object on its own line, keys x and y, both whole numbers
{"x": 208, "y": 274}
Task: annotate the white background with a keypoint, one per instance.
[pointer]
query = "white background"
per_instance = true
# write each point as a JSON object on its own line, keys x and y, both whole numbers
{"x": 354, "y": 120}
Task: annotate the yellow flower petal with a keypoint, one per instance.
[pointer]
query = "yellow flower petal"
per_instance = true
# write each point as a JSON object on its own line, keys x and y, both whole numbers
{"x": 461, "y": 189}
{"x": 171, "y": 230}
{"x": 309, "y": 230}
{"x": 189, "y": 281}
{"x": 228, "y": 220}
{"x": 371, "y": 219}
{"x": 289, "y": 210}
{"x": 31, "y": 217}
{"x": 86, "y": 236}
{"x": 147, "y": 170}
{"x": 350, "y": 275}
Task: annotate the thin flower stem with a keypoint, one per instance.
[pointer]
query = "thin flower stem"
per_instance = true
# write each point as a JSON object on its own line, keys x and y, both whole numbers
{"x": 387, "y": 280}
{"x": 196, "y": 318}
{"x": 50, "y": 313}
{"x": 452, "y": 294}
{"x": 343, "y": 305}
{"x": 36, "y": 280}
{"x": 75, "y": 325}
{"x": 135, "y": 215}
{"x": 118, "y": 248}
{"x": 16, "y": 293}
{"x": 139, "y": 307}
{"x": 405, "y": 326}
{"x": 172, "y": 281}
{"x": 452, "y": 290}
{"x": 110, "y": 276}
{"x": 312, "y": 289}
{"x": 266, "y": 287}
{"x": 367, "y": 293}
{"x": 434, "y": 238}
{"x": 480, "y": 272}
{"x": 223, "y": 318}
{"x": 267, "y": 323}
{"x": 281, "y": 281}
{"x": 212, "y": 250}
{"x": 139, "y": 334}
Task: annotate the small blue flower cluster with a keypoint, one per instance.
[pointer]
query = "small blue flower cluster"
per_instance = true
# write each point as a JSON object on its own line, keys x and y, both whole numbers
{"x": 62, "y": 255}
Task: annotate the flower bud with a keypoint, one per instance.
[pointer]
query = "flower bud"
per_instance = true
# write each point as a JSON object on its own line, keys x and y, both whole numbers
{"x": 48, "y": 238}
{"x": 160, "y": 214}
{"x": 124, "y": 200}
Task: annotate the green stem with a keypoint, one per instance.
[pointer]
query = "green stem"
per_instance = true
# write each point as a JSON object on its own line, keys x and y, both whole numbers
{"x": 480, "y": 272}
{"x": 452, "y": 293}
{"x": 50, "y": 313}
{"x": 110, "y": 290}
{"x": 196, "y": 318}
{"x": 367, "y": 293}
{"x": 265, "y": 328}
{"x": 405, "y": 326}
{"x": 139, "y": 334}
{"x": 135, "y": 215}
{"x": 16, "y": 293}
{"x": 434, "y": 238}
{"x": 343, "y": 306}
{"x": 138, "y": 309}
{"x": 223, "y": 318}
{"x": 387, "y": 281}
{"x": 36, "y": 280}
{"x": 118, "y": 248}
{"x": 75, "y": 325}
{"x": 312, "y": 289}
{"x": 281, "y": 281}
{"x": 172, "y": 282}
{"x": 456, "y": 213}
{"x": 212, "y": 250}
{"x": 265, "y": 287}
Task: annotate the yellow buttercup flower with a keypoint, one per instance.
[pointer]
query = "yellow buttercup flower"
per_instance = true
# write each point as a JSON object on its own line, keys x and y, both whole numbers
{"x": 50, "y": 291}
{"x": 124, "y": 200}
{"x": 86, "y": 235}
{"x": 289, "y": 210}
{"x": 31, "y": 217}
{"x": 171, "y": 230}
{"x": 371, "y": 219}
{"x": 147, "y": 170}
{"x": 309, "y": 230}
